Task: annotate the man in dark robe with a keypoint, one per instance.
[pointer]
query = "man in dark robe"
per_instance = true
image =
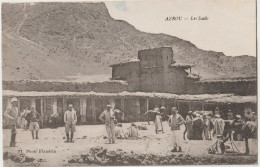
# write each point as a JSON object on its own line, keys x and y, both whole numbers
{"x": 197, "y": 128}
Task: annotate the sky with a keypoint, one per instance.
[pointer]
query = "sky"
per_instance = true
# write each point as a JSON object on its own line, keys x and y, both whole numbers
{"x": 230, "y": 28}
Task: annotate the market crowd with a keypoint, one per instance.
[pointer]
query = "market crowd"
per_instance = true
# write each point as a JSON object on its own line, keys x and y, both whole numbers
{"x": 199, "y": 125}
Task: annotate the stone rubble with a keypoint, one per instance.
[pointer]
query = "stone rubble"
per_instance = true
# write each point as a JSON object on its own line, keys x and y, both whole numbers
{"x": 21, "y": 158}
{"x": 101, "y": 156}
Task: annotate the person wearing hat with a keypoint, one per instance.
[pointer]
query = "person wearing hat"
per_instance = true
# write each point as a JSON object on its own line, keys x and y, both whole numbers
{"x": 11, "y": 113}
{"x": 238, "y": 120}
{"x": 34, "y": 117}
{"x": 70, "y": 119}
{"x": 163, "y": 113}
{"x": 175, "y": 121}
{"x": 188, "y": 125}
{"x": 219, "y": 125}
{"x": 108, "y": 117}
{"x": 158, "y": 123}
{"x": 230, "y": 115}
{"x": 197, "y": 127}
{"x": 254, "y": 117}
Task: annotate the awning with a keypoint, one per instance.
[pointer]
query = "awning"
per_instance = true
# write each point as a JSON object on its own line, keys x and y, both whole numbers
{"x": 219, "y": 98}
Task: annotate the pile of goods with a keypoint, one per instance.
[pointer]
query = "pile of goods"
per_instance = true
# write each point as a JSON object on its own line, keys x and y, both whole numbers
{"x": 21, "y": 158}
{"x": 101, "y": 156}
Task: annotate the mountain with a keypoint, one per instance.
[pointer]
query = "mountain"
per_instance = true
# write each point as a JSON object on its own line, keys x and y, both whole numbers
{"x": 56, "y": 40}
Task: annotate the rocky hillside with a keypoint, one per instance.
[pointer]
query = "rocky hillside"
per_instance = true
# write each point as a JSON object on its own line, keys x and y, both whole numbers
{"x": 55, "y": 40}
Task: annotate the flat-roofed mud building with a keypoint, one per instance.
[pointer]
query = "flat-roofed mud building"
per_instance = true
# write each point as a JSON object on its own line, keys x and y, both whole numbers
{"x": 135, "y": 87}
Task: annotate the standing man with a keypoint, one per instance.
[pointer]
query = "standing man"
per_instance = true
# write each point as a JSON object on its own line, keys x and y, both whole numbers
{"x": 175, "y": 122}
{"x": 211, "y": 126}
{"x": 11, "y": 113}
{"x": 206, "y": 127}
{"x": 70, "y": 119}
{"x": 197, "y": 128}
{"x": 108, "y": 117}
{"x": 219, "y": 125}
{"x": 188, "y": 125}
{"x": 34, "y": 117}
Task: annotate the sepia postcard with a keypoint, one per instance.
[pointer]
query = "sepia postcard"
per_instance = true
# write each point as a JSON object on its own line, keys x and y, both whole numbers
{"x": 129, "y": 83}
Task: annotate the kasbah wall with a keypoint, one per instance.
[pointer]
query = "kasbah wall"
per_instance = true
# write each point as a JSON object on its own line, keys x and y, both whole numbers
{"x": 128, "y": 72}
{"x": 154, "y": 73}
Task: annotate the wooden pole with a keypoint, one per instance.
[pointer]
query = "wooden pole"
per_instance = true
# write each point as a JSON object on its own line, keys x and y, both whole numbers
{"x": 83, "y": 107}
{"x": 147, "y": 104}
{"x": 33, "y": 103}
{"x": 138, "y": 108}
{"x": 93, "y": 109}
{"x": 42, "y": 113}
{"x": 122, "y": 104}
{"x": 54, "y": 105}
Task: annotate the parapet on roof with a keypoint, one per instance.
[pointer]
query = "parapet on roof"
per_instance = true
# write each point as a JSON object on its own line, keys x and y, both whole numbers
{"x": 229, "y": 80}
{"x": 130, "y": 61}
{"x": 182, "y": 65}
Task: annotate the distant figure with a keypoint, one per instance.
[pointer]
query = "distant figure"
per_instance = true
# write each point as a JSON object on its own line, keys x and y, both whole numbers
{"x": 164, "y": 113}
{"x": 70, "y": 119}
{"x": 211, "y": 126}
{"x": 108, "y": 118}
{"x": 54, "y": 119}
{"x": 34, "y": 117}
{"x": 158, "y": 123}
{"x": 254, "y": 117}
{"x": 150, "y": 114}
{"x": 175, "y": 121}
{"x": 119, "y": 132}
{"x": 216, "y": 110}
{"x": 132, "y": 132}
{"x": 24, "y": 122}
{"x": 188, "y": 126}
{"x": 206, "y": 125}
{"x": 219, "y": 125}
{"x": 197, "y": 128}
{"x": 230, "y": 115}
{"x": 11, "y": 113}
{"x": 156, "y": 108}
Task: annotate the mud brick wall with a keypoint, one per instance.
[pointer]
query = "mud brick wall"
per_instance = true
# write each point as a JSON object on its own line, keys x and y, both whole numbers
{"x": 154, "y": 65}
{"x": 128, "y": 72}
{"x": 106, "y": 87}
{"x": 177, "y": 80}
{"x": 236, "y": 87}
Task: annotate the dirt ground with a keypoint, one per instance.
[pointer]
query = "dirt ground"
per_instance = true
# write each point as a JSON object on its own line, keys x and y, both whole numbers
{"x": 88, "y": 136}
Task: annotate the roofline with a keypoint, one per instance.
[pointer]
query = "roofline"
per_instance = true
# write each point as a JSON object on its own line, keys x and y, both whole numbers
{"x": 118, "y": 64}
{"x": 182, "y": 65}
{"x": 228, "y": 80}
{"x": 170, "y": 47}
{"x": 185, "y": 97}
